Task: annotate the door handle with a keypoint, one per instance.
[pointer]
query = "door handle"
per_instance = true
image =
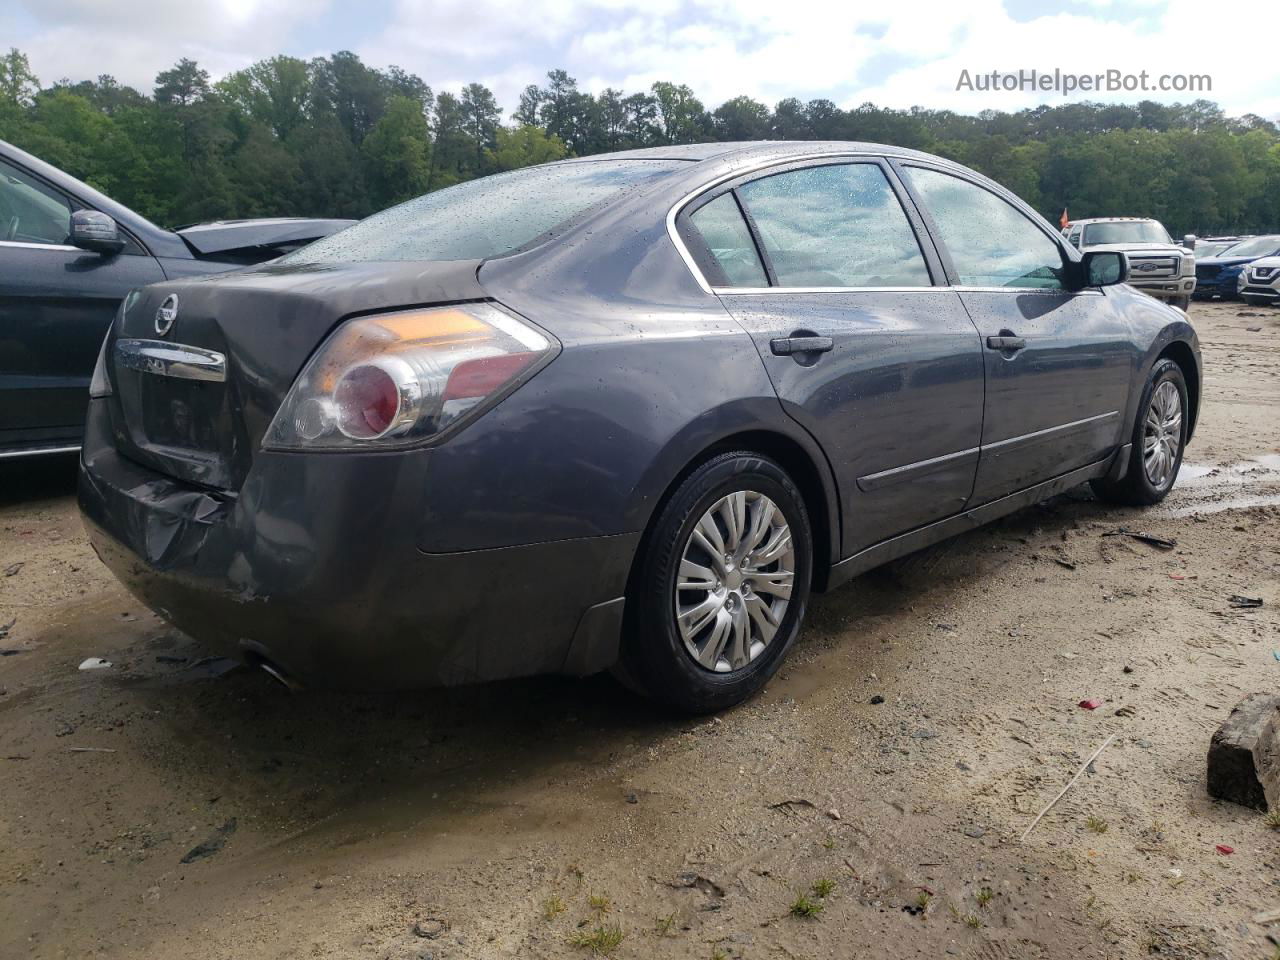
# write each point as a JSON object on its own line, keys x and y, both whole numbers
{"x": 786, "y": 346}
{"x": 1006, "y": 344}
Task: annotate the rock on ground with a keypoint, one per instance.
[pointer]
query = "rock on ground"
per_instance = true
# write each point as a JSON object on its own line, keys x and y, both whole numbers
{"x": 1244, "y": 754}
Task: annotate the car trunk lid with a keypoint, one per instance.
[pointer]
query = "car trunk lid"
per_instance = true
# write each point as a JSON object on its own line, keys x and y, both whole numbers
{"x": 171, "y": 409}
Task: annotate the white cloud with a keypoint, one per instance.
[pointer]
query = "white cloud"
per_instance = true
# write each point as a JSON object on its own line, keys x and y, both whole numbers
{"x": 1245, "y": 73}
{"x": 721, "y": 48}
{"x": 133, "y": 40}
{"x": 815, "y": 48}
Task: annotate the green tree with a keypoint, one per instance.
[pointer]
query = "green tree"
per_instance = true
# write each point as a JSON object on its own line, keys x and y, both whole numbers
{"x": 524, "y": 146}
{"x": 330, "y": 174}
{"x": 611, "y": 111}
{"x": 480, "y": 119}
{"x": 642, "y": 120}
{"x": 343, "y": 87}
{"x": 264, "y": 175}
{"x": 681, "y": 116}
{"x": 741, "y": 119}
{"x": 568, "y": 114}
{"x": 182, "y": 85}
{"x": 526, "y": 114}
{"x": 273, "y": 92}
{"x": 790, "y": 121}
{"x": 18, "y": 85}
{"x": 396, "y": 153}
{"x": 452, "y": 156}
{"x": 336, "y": 137}
{"x": 105, "y": 94}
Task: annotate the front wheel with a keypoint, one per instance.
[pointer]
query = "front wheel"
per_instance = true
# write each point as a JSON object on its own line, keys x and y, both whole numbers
{"x": 720, "y": 588}
{"x": 1254, "y": 301}
{"x": 1158, "y": 438}
{"x": 1182, "y": 303}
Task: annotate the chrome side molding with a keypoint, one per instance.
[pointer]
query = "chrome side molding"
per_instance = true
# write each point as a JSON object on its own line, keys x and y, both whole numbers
{"x": 171, "y": 360}
{"x": 38, "y": 451}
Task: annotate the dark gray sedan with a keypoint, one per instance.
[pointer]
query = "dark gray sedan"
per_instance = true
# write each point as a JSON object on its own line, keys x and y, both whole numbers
{"x": 623, "y": 412}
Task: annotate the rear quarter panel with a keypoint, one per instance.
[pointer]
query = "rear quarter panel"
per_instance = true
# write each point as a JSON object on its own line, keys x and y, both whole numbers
{"x": 652, "y": 373}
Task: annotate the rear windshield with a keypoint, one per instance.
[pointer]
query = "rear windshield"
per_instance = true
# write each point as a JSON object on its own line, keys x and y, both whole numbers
{"x": 1133, "y": 231}
{"x": 1257, "y": 247}
{"x": 484, "y": 218}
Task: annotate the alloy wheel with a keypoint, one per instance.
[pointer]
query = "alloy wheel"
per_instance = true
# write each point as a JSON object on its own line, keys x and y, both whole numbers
{"x": 735, "y": 580}
{"x": 1162, "y": 436}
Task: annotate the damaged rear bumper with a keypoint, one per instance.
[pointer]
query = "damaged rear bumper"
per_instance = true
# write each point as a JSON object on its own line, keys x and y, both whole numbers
{"x": 313, "y": 568}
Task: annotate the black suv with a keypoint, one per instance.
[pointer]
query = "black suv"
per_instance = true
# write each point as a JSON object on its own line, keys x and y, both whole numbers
{"x": 68, "y": 257}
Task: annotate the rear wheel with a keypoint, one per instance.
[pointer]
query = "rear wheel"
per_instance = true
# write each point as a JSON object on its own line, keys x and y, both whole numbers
{"x": 1158, "y": 439}
{"x": 720, "y": 589}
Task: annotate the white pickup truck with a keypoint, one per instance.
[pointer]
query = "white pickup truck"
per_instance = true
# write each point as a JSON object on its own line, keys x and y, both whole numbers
{"x": 1157, "y": 266}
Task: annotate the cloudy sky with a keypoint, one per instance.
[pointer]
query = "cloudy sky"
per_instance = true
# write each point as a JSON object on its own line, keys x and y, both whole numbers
{"x": 897, "y": 53}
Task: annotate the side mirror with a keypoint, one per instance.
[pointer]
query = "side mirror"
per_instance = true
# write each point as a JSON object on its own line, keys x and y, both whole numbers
{"x": 1189, "y": 241}
{"x": 94, "y": 230}
{"x": 1103, "y": 268}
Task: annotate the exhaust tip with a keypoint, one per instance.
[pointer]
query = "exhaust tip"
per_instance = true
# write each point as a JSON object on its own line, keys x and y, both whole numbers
{"x": 271, "y": 670}
{"x": 255, "y": 655}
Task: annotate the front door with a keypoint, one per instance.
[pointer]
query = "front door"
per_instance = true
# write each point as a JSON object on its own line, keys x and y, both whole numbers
{"x": 56, "y": 303}
{"x": 824, "y": 267}
{"x": 1058, "y": 360}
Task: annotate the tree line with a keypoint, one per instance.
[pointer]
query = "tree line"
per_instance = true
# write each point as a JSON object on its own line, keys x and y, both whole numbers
{"x": 335, "y": 137}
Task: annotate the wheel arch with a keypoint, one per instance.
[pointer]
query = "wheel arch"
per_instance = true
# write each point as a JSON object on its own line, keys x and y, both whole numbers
{"x": 1180, "y": 352}
{"x": 803, "y": 461}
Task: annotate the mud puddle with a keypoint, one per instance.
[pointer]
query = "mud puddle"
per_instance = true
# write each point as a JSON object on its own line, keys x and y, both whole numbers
{"x": 1213, "y": 488}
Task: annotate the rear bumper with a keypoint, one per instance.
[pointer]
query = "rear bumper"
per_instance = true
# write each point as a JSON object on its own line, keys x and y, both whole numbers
{"x": 315, "y": 569}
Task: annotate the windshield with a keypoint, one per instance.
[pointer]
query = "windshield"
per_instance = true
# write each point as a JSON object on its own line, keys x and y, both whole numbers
{"x": 1128, "y": 231}
{"x": 484, "y": 218}
{"x": 1257, "y": 247}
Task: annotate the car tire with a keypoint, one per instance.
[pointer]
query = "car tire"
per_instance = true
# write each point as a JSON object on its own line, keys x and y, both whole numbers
{"x": 1254, "y": 301}
{"x": 1153, "y": 465}
{"x": 1182, "y": 303}
{"x": 669, "y": 655}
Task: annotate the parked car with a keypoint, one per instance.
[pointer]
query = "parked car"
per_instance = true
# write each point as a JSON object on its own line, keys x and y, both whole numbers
{"x": 1157, "y": 266}
{"x": 1213, "y": 246}
{"x": 1259, "y": 282}
{"x": 621, "y": 412}
{"x": 1220, "y": 276}
{"x": 68, "y": 256}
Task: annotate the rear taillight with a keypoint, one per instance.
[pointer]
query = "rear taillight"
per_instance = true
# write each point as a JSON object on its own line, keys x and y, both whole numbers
{"x": 399, "y": 379}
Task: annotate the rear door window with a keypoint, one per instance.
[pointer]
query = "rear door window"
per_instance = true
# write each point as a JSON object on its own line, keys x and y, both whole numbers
{"x": 720, "y": 227}
{"x": 839, "y": 225}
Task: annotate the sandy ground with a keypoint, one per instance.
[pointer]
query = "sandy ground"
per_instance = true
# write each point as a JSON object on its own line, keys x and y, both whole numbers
{"x": 510, "y": 820}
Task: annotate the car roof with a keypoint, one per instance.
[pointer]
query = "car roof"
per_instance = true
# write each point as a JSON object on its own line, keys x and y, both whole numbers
{"x": 757, "y": 150}
{"x": 1076, "y": 223}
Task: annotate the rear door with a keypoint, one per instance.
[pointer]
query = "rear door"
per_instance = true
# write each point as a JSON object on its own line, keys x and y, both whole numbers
{"x": 1058, "y": 360}
{"x": 867, "y": 348}
{"x": 56, "y": 303}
